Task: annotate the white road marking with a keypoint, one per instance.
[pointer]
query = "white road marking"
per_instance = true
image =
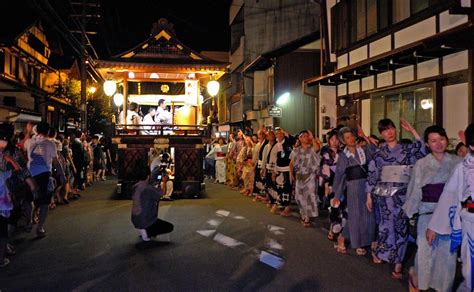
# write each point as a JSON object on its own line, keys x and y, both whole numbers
{"x": 223, "y": 213}
{"x": 239, "y": 217}
{"x": 227, "y": 241}
{"x": 277, "y": 230}
{"x": 273, "y": 244}
{"x": 206, "y": 233}
{"x": 214, "y": 222}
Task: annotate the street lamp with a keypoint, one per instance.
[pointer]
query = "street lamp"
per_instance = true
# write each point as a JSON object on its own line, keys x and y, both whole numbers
{"x": 110, "y": 87}
{"x": 92, "y": 89}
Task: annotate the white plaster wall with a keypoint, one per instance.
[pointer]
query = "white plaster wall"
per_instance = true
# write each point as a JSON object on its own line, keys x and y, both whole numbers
{"x": 368, "y": 83}
{"x": 380, "y": 46}
{"x": 466, "y": 3}
{"x": 405, "y": 74}
{"x": 342, "y": 61}
{"x": 416, "y": 32}
{"x": 358, "y": 55}
{"x": 455, "y": 108}
{"x": 354, "y": 86}
{"x": 448, "y": 21}
{"x": 327, "y": 100}
{"x": 342, "y": 89}
{"x": 455, "y": 62}
{"x": 428, "y": 69}
{"x": 365, "y": 116}
{"x": 384, "y": 79}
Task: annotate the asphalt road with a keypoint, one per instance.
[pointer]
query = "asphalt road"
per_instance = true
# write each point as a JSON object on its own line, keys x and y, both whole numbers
{"x": 223, "y": 242}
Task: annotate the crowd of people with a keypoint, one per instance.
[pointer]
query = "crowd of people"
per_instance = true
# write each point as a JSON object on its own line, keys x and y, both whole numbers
{"x": 39, "y": 170}
{"x": 380, "y": 192}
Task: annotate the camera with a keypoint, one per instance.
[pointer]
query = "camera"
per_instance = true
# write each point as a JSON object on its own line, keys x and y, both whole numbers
{"x": 158, "y": 177}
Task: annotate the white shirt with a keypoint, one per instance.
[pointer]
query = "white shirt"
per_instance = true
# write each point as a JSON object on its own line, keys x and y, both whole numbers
{"x": 41, "y": 152}
{"x": 163, "y": 117}
{"x": 133, "y": 118}
{"x": 148, "y": 120}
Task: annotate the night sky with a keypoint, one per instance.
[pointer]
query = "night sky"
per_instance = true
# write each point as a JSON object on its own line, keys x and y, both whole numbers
{"x": 201, "y": 25}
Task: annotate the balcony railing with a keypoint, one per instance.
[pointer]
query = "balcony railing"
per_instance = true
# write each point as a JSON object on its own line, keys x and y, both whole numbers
{"x": 161, "y": 130}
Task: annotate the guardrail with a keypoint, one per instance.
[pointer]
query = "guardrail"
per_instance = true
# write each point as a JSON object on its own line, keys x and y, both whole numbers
{"x": 161, "y": 130}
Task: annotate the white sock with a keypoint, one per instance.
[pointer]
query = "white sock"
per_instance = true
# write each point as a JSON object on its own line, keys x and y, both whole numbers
{"x": 144, "y": 235}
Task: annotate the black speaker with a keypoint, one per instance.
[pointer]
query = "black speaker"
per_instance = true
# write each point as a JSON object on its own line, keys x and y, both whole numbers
{"x": 191, "y": 189}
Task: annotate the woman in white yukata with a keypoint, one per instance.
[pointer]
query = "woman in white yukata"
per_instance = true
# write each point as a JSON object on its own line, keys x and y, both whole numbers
{"x": 220, "y": 151}
{"x": 435, "y": 266}
{"x": 454, "y": 214}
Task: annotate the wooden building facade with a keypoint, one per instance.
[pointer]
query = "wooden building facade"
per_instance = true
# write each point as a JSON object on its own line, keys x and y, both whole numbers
{"x": 392, "y": 59}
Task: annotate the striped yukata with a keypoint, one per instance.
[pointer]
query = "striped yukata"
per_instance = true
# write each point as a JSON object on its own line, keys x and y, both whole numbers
{"x": 360, "y": 222}
{"x": 306, "y": 165}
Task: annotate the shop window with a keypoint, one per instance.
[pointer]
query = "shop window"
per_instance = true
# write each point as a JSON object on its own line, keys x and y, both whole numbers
{"x": 415, "y": 104}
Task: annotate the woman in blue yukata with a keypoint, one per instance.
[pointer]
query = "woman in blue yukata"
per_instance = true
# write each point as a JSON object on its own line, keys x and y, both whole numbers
{"x": 389, "y": 174}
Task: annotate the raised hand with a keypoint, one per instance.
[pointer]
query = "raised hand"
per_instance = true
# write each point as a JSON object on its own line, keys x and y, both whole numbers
{"x": 406, "y": 125}
{"x": 462, "y": 137}
{"x": 360, "y": 131}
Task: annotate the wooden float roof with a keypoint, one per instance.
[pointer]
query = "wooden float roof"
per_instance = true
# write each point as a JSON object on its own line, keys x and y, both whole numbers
{"x": 162, "y": 51}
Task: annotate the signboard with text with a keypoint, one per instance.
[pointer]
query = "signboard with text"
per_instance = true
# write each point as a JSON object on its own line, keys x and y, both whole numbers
{"x": 275, "y": 112}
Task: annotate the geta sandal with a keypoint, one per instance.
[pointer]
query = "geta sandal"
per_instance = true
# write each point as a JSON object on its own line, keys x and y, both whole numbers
{"x": 341, "y": 249}
{"x": 397, "y": 275}
{"x": 361, "y": 251}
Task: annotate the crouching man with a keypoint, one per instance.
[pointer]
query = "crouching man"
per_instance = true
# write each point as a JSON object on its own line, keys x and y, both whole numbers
{"x": 146, "y": 200}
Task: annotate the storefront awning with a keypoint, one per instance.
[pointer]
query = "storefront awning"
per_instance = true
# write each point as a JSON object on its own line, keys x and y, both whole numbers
{"x": 23, "y": 117}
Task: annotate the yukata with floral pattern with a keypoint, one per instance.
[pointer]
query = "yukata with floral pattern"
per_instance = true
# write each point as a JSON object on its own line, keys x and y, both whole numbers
{"x": 389, "y": 198}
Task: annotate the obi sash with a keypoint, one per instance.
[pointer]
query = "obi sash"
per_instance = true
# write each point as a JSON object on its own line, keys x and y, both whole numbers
{"x": 356, "y": 172}
{"x": 220, "y": 154}
{"x": 431, "y": 193}
{"x": 282, "y": 168}
{"x": 270, "y": 166}
{"x": 396, "y": 173}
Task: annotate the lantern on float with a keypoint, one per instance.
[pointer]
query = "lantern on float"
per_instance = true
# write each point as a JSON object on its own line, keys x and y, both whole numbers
{"x": 110, "y": 87}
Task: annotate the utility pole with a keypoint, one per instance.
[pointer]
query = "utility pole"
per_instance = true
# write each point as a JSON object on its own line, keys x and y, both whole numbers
{"x": 84, "y": 17}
